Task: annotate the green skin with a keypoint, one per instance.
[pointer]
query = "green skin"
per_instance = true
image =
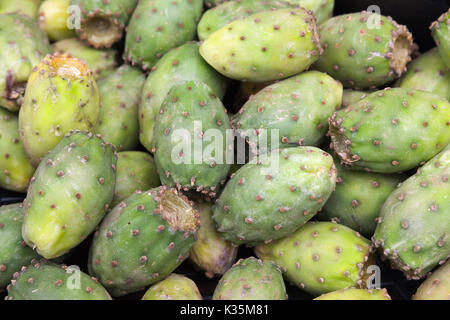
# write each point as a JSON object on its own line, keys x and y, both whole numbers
{"x": 351, "y": 96}
{"x": 440, "y": 30}
{"x": 174, "y": 287}
{"x": 298, "y": 108}
{"x": 158, "y": 26}
{"x": 178, "y": 65}
{"x": 189, "y": 110}
{"x": 360, "y": 56}
{"x": 53, "y": 16}
{"x": 322, "y": 9}
{"x": 24, "y": 45}
{"x": 213, "y": 3}
{"x": 291, "y": 187}
{"x": 26, "y": 7}
{"x": 391, "y": 130}
{"x": 14, "y": 253}
{"x": 15, "y": 169}
{"x": 69, "y": 194}
{"x": 251, "y": 279}
{"x": 135, "y": 171}
{"x": 61, "y": 96}
{"x": 48, "y": 281}
{"x": 436, "y": 286}
{"x": 428, "y": 73}
{"x": 120, "y": 96}
{"x": 320, "y": 257}
{"x": 268, "y": 45}
{"x": 415, "y": 220}
{"x": 356, "y": 294}
{"x": 143, "y": 240}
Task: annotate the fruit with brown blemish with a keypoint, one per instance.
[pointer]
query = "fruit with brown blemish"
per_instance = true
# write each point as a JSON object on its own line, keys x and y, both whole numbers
{"x": 174, "y": 287}
{"x": 356, "y": 294}
{"x": 440, "y": 30}
{"x": 436, "y": 286}
{"x": 53, "y": 18}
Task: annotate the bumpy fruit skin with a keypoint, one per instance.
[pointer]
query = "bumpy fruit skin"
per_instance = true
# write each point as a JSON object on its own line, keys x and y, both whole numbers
{"x": 14, "y": 253}
{"x": 24, "y": 45}
{"x": 414, "y": 223}
{"x": 120, "y": 94}
{"x": 43, "y": 280}
{"x": 322, "y": 9}
{"x": 356, "y": 294}
{"x": 69, "y": 194}
{"x": 268, "y": 45}
{"x": 158, "y": 26}
{"x": 362, "y": 51}
{"x": 25, "y": 7}
{"x": 440, "y": 30}
{"x": 270, "y": 200}
{"x": 321, "y": 257}
{"x": 174, "y": 287}
{"x": 192, "y": 117}
{"x": 251, "y": 279}
{"x": 61, "y": 96}
{"x": 210, "y": 252}
{"x": 181, "y": 64}
{"x": 351, "y": 96}
{"x": 142, "y": 240}
{"x": 391, "y": 130}
{"x": 436, "y": 286}
{"x": 53, "y": 16}
{"x": 15, "y": 169}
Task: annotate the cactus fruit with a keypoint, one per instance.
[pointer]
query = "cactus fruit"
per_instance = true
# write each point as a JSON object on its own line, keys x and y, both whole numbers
{"x": 53, "y": 16}
{"x": 158, "y": 26}
{"x": 174, "y": 287}
{"x": 322, "y": 9}
{"x": 213, "y": 3}
{"x": 24, "y": 45}
{"x": 251, "y": 279}
{"x": 14, "y": 253}
{"x": 391, "y": 130}
{"x": 211, "y": 252}
{"x": 69, "y": 194}
{"x": 120, "y": 95}
{"x": 44, "y": 280}
{"x": 356, "y": 294}
{"x": 142, "y": 240}
{"x": 364, "y": 51}
{"x": 440, "y": 29}
{"x": 241, "y": 50}
{"x": 414, "y": 224}
{"x": 15, "y": 169}
{"x": 61, "y": 96}
{"x": 321, "y": 257}
{"x": 292, "y": 186}
{"x": 181, "y": 64}
{"x": 436, "y": 286}
{"x": 25, "y": 7}
{"x": 351, "y": 96}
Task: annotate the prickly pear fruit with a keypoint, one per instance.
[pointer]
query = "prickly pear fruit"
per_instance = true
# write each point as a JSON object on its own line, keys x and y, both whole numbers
{"x": 322, "y": 9}
{"x": 44, "y": 280}
{"x": 174, "y": 287}
{"x": 158, "y": 26}
{"x": 414, "y": 224}
{"x": 245, "y": 91}
{"x": 321, "y": 257}
{"x": 25, "y": 7}
{"x": 24, "y": 45}
{"x": 351, "y": 96}
{"x": 292, "y": 186}
{"x": 210, "y": 251}
{"x": 61, "y": 96}
{"x": 213, "y": 3}
{"x": 120, "y": 95}
{"x": 181, "y": 64}
{"x": 15, "y": 169}
{"x": 69, "y": 194}
{"x": 356, "y": 294}
{"x": 391, "y": 130}
{"x": 53, "y": 16}
{"x": 192, "y": 116}
{"x": 14, "y": 253}
{"x": 440, "y": 29}
{"x": 241, "y": 50}
{"x": 361, "y": 54}
{"x": 135, "y": 171}
{"x": 436, "y": 286}
{"x": 142, "y": 240}
{"x": 251, "y": 279}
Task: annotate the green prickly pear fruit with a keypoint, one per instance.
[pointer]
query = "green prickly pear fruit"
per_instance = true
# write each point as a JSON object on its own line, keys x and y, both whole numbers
{"x": 15, "y": 169}
{"x": 266, "y": 46}
{"x": 414, "y": 223}
{"x": 213, "y": 3}
{"x": 69, "y": 194}
{"x": 364, "y": 50}
{"x": 251, "y": 279}
{"x": 120, "y": 95}
{"x": 436, "y": 286}
{"x": 245, "y": 91}
{"x": 142, "y": 240}
{"x": 293, "y": 184}
{"x": 322, "y": 9}
{"x": 211, "y": 252}
{"x": 53, "y": 17}
{"x": 158, "y": 26}
{"x": 391, "y": 130}
{"x": 321, "y": 257}
{"x": 440, "y": 30}
{"x": 25, "y": 7}
{"x": 351, "y": 96}
{"x": 356, "y": 294}
{"x": 61, "y": 96}
{"x": 43, "y": 280}
{"x": 174, "y": 287}
{"x": 24, "y": 45}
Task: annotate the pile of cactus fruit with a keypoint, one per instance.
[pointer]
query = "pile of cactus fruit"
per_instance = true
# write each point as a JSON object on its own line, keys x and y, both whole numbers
{"x": 221, "y": 150}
